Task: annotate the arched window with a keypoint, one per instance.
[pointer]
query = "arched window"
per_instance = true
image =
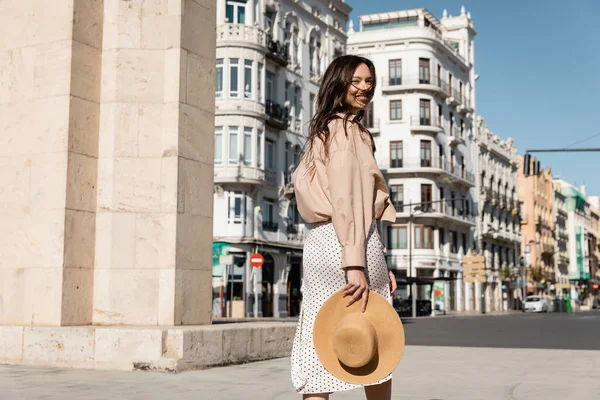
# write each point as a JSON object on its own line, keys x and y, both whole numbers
{"x": 292, "y": 40}
{"x": 315, "y": 54}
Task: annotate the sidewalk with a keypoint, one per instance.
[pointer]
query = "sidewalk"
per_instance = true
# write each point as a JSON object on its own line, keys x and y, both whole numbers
{"x": 425, "y": 373}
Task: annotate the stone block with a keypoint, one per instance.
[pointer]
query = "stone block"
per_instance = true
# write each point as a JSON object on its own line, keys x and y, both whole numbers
{"x": 194, "y": 242}
{"x": 175, "y": 75}
{"x": 193, "y": 178}
{"x": 115, "y": 240}
{"x": 126, "y": 296}
{"x": 86, "y": 71}
{"x": 203, "y": 347}
{"x": 196, "y": 144}
{"x": 119, "y": 130}
{"x": 34, "y": 238}
{"x": 160, "y": 32}
{"x": 84, "y": 124}
{"x": 170, "y": 129}
{"x": 135, "y": 76}
{"x": 193, "y": 297}
{"x": 87, "y": 22}
{"x": 175, "y": 7}
{"x": 154, "y": 8}
{"x": 200, "y": 80}
{"x": 150, "y": 130}
{"x": 80, "y": 235}
{"x": 72, "y": 347}
{"x": 155, "y": 240}
{"x": 43, "y": 296}
{"x": 11, "y": 343}
{"x": 77, "y": 296}
{"x": 17, "y": 71}
{"x": 15, "y": 178}
{"x": 105, "y": 185}
{"x": 236, "y": 344}
{"x": 199, "y": 29}
{"x": 169, "y": 178}
{"x": 277, "y": 340}
{"x": 114, "y": 345}
{"x": 48, "y": 181}
{"x": 137, "y": 184}
{"x": 52, "y": 71}
{"x": 12, "y": 297}
{"x": 46, "y": 133}
{"x": 37, "y": 21}
{"x": 166, "y": 296}
{"x": 81, "y": 182}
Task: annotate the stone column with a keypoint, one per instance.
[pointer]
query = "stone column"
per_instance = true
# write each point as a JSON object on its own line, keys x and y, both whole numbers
{"x": 155, "y": 173}
{"x": 50, "y": 59}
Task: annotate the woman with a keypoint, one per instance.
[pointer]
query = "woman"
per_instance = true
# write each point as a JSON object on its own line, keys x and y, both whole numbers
{"x": 340, "y": 194}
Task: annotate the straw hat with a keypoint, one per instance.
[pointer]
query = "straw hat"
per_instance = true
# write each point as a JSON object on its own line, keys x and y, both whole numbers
{"x": 355, "y": 347}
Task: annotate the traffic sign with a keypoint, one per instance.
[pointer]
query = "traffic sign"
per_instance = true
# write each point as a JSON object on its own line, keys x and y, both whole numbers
{"x": 257, "y": 260}
{"x": 473, "y": 269}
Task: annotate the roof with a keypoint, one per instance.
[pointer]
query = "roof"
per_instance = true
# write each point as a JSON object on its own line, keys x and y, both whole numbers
{"x": 395, "y": 15}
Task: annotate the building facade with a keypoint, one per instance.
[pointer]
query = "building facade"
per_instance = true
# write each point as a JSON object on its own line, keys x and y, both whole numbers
{"x": 498, "y": 226}
{"x": 594, "y": 203}
{"x": 422, "y": 119}
{"x": 561, "y": 236}
{"x": 270, "y": 58}
{"x": 536, "y": 194}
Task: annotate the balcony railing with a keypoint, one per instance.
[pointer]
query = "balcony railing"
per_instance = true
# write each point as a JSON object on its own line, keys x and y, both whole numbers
{"x": 448, "y": 207}
{"x": 428, "y": 123}
{"x": 270, "y": 226}
{"x": 277, "y": 51}
{"x": 435, "y": 163}
{"x": 279, "y": 116}
{"x": 241, "y": 33}
{"x": 407, "y": 82}
{"x": 292, "y": 229}
{"x": 372, "y": 125}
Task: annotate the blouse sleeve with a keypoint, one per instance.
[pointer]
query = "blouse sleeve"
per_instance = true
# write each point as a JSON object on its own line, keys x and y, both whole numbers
{"x": 343, "y": 171}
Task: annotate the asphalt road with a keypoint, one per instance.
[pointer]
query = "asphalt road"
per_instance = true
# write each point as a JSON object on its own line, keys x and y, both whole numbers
{"x": 573, "y": 331}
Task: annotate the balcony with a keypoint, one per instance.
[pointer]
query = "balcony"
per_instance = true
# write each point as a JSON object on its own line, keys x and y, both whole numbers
{"x": 270, "y": 226}
{"x": 455, "y": 136}
{"x": 288, "y": 188}
{"x": 292, "y": 229}
{"x": 446, "y": 211}
{"x": 416, "y": 167}
{"x": 277, "y": 51}
{"x": 425, "y": 125}
{"x": 271, "y": 177}
{"x": 239, "y": 174}
{"x": 278, "y": 116}
{"x": 242, "y": 35}
{"x": 373, "y": 126}
{"x": 433, "y": 84}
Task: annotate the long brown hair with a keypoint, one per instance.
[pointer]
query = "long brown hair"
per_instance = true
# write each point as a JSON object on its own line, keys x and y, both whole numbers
{"x": 331, "y": 100}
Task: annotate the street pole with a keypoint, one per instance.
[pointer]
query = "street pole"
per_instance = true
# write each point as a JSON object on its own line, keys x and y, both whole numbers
{"x": 413, "y": 286}
{"x": 230, "y": 272}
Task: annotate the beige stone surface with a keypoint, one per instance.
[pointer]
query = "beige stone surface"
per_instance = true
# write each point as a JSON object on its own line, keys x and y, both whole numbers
{"x": 192, "y": 141}
{"x": 78, "y": 296}
{"x": 63, "y": 346}
{"x": 193, "y": 252}
{"x": 155, "y": 240}
{"x": 81, "y": 182}
{"x": 84, "y": 121}
{"x": 115, "y": 240}
{"x": 43, "y": 296}
{"x": 80, "y": 234}
{"x": 128, "y": 345}
{"x": 199, "y": 28}
{"x": 87, "y": 22}
{"x": 11, "y": 343}
{"x": 85, "y": 72}
{"x": 193, "y": 292}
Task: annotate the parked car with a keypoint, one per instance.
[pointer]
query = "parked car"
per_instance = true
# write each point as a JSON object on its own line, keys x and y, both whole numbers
{"x": 536, "y": 304}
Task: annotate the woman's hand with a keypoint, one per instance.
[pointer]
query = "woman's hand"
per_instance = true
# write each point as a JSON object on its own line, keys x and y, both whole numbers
{"x": 393, "y": 284}
{"x": 357, "y": 286}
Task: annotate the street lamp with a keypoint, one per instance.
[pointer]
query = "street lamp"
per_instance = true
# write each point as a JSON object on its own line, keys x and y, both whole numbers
{"x": 413, "y": 286}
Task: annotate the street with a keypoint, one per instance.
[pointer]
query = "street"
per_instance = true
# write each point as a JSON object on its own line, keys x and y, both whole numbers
{"x": 513, "y": 357}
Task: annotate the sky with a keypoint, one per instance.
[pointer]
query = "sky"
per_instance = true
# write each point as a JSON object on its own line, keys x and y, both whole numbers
{"x": 539, "y": 74}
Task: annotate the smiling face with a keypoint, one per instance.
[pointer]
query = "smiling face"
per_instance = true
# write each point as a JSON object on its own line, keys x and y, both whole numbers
{"x": 358, "y": 94}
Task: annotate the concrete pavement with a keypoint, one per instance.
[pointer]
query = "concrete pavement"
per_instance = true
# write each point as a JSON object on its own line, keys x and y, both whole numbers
{"x": 425, "y": 373}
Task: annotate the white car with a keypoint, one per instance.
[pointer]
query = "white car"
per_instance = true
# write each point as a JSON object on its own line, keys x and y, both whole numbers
{"x": 536, "y": 304}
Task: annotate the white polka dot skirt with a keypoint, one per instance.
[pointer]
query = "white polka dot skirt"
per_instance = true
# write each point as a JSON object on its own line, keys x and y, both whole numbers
{"x": 322, "y": 276}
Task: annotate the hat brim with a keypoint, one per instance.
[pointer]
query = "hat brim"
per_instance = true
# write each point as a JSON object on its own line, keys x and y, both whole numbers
{"x": 390, "y": 338}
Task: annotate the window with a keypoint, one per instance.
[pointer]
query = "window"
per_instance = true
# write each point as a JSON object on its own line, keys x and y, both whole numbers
{"x": 269, "y": 21}
{"x": 235, "y": 11}
{"x": 368, "y": 118}
{"x": 442, "y": 234}
{"x": 397, "y": 237}
{"x": 424, "y": 74}
{"x": 425, "y": 153}
{"x": 453, "y": 242}
{"x": 233, "y": 145}
{"x": 297, "y": 101}
{"x": 439, "y": 76}
{"x": 294, "y": 216}
{"x": 236, "y": 207}
{"x": 268, "y": 214}
{"x": 395, "y": 72}
{"x": 397, "y": 197}
{"x": 218, "y": 144}
{"x": 426, "y": 197}
{"x": 466, "y": 206}
{"x": 441, "y": 156}
{"x": 270, "y": 86}
{"x": 396, "y": 154}
{"x": 312, "y": 105}
{"x": 423, "y": 237}
{"x": 440, "y": 115}
{"x": 248, "y": 79}
{"x": 261, "y": 97}
{"x": 462, "y": 129}
{"x": 269, "y": 154}
{"x": 219, "y": 74}
{"x": 464, "y": 243}
{"x": 314, "y": 55}
{"x": 233, "y": 77}
{"x": 450, "y": 82}
{"x": 453, "y": 202}
{"x": 247, "y": 146}
{"x": 395, "y": 110}
{"x": 442, "y": 198}
{"x": 424, "y": 112}
{"x": 460, "y": 91}
{"x": 259, "y": 149}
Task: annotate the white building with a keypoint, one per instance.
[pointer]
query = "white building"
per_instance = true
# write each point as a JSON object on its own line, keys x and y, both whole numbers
{"x": 422, "y": 120}
{"x": 270, "y": 57}
{"x": 498, "y": 225}
{"x": 561, "y": 235}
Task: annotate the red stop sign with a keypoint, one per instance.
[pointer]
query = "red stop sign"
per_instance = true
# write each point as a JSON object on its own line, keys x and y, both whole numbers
{"x": 595, "y": 286}
{"x": 257, "y": 260}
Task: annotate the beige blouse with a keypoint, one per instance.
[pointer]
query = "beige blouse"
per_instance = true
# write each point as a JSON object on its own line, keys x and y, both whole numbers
{"x": 347, "y": 188}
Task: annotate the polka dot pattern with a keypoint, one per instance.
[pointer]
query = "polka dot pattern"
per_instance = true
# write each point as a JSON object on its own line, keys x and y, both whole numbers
{"x": 322, "y": 276}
